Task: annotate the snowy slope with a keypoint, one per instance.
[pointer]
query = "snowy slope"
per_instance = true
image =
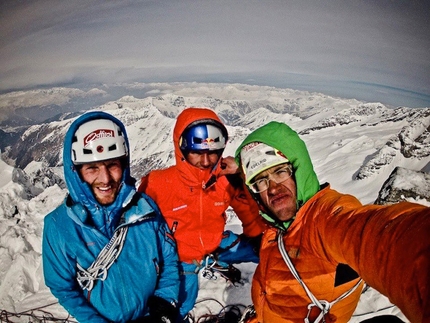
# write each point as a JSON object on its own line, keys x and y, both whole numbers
{"x": 354, "y": 145}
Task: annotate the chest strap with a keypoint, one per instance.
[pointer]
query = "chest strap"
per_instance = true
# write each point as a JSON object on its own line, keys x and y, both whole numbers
{"x": 323, "y": 305}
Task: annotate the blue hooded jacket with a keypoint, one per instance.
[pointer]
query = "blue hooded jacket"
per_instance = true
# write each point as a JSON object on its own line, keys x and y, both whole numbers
{"x": 76, "y": 232}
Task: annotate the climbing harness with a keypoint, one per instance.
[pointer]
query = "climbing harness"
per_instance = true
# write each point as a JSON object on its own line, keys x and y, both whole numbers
{"x": 323, "y": 305}
{"x": 229, "y": 313}
{"x": 247, "y": 314}
{"x": 107, "y": 256}
{"x": 208, "y": 271}
{"x": 229, "y": 273}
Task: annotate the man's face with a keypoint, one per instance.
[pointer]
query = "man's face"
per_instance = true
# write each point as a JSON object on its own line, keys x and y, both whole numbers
{"x": 203, "y": 159}
{"x": 104, "y": 179}
{"x": 279, "y": 198}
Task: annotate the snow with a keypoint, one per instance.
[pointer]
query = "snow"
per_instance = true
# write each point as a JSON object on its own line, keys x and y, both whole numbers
{"x": 338, "y": 154}
{"x": 5, "y": 173}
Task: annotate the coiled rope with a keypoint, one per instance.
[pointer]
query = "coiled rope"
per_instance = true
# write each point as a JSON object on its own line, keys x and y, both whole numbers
{"x": 107, "y": 256}
{"x": 37, "y": 314}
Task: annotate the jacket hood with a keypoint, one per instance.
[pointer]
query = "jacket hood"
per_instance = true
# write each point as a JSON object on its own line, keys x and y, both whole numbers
{"x": 191, "y": 174}
{"x": 80, "y": 192}
{"x": 283, "y": 138}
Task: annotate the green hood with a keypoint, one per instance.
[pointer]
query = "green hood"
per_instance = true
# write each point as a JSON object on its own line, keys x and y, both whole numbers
{"x": 285, "y": 139}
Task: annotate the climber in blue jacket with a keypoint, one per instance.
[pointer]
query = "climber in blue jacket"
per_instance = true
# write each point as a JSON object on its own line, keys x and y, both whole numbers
{"x": 108, "y": 255}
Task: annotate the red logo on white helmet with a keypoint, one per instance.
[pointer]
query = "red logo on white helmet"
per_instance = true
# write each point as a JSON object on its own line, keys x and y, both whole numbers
{"x": 98, "y": 134}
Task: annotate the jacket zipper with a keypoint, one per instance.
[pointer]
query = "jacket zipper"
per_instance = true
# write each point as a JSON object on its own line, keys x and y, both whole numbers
{"x": 201, "y": 217}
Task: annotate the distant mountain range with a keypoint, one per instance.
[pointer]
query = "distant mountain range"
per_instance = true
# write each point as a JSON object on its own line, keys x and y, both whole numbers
{"x": 388, "y": 137}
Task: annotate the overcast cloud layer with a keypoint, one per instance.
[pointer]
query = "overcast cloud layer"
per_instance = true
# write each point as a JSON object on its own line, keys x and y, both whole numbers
{"x": 368, "y": 50}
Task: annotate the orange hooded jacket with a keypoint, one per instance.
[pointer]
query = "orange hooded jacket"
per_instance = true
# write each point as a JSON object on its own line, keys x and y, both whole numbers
{"x": 388, "y": 246}
{"x": 332, "y": 229}
{"x": 196, "y": 213}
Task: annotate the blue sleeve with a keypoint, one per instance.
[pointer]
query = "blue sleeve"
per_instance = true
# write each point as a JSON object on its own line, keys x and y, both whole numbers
{"x": 60, "y": 274}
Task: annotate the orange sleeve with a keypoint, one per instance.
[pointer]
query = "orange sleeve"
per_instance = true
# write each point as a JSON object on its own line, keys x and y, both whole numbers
{"x": 247, "y": 210}
{"x": 149, "y": 185}
{"x": 400, "y": 265}
{"x": 143, "y": 184}
{"x": 388, "y": 246}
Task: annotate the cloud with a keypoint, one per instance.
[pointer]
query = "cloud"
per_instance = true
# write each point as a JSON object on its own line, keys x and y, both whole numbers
{"x": 46, "y": 42}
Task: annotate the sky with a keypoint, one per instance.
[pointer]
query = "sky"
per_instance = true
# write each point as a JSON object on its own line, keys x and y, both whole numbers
{"x": 376, "y": 51}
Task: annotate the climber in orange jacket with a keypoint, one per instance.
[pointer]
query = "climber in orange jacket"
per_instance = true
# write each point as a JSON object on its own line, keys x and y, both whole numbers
{"x": 193, "y": 196}
{"x": 322, "y": 245}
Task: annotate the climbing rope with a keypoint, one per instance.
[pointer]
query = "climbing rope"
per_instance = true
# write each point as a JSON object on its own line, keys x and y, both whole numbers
{"x": 230, "y": 313}
{"x": 99, "y": 268}
{"x": 34, "y": 315}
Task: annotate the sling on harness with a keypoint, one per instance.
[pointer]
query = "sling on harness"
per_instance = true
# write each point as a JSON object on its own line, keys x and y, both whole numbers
{"x": 248, "y": 313}
{"x": 107, "y": 256}
{"x": 323, "y": 305}
{"x": 228, "y": 272}
{"x": 105, "y": 259}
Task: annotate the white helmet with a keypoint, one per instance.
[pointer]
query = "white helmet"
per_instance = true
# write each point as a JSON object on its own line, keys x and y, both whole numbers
{"x": 98, "y": 140}
{"x": 256, "y": 157}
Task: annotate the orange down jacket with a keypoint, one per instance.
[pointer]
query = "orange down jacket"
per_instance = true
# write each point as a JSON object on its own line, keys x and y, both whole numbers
{"x": 333, "y": 228}
{"x": 196, "y": 214}
{"x": 388, "y": 246}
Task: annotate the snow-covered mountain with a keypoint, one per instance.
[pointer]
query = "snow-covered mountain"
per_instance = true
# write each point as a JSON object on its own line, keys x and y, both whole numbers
{"x": 372, "y": 137}
{"x": 405, "y": 185}
{"x": 364, "y": 149}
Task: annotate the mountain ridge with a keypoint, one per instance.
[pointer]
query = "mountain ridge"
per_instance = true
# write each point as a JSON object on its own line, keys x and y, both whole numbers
{"x": 374, "y": 138}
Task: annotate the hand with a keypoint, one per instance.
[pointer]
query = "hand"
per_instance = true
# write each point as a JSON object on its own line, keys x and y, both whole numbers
{"x": 254, "y": 242}
{"x": 228, "y": 166}
{"x": 161, "y": 311}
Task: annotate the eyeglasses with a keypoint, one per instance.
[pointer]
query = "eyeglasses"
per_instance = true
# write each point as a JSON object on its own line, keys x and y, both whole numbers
{"x": 278, "y": 176}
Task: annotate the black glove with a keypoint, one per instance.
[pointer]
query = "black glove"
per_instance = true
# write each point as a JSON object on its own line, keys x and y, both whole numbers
{"x": 254, "y": 242}
{"x": 144, "y": 319}
{"x": 161, "y": 311}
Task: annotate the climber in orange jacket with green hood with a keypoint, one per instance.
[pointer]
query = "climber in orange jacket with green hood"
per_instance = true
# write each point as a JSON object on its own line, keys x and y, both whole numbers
{"x": 322, "y": 245}
{"x": 193, "y": 196}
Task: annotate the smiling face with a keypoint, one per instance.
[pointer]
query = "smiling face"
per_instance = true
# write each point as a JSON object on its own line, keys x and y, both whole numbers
{"x": 279, "y": 198}
{"x": 104, "y": 178}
